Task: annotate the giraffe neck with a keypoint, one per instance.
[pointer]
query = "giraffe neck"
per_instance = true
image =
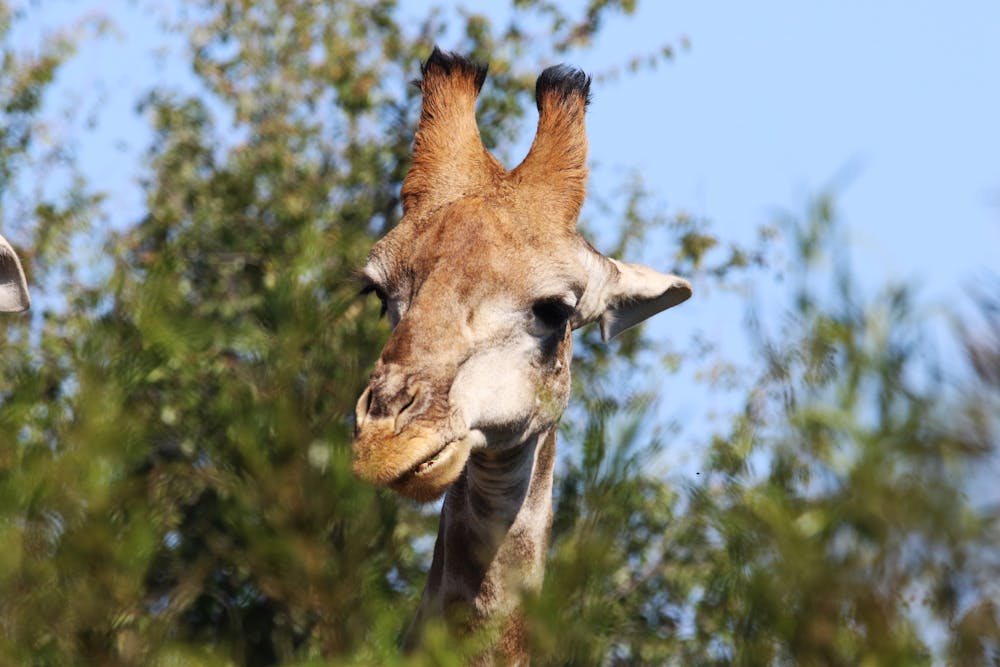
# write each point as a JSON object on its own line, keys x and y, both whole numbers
{"x": 491, "y": 543}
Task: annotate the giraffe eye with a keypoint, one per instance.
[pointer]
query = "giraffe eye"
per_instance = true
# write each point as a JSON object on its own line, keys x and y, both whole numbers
{"x": 553, "y": 313}
{"x": 372, "y": 288}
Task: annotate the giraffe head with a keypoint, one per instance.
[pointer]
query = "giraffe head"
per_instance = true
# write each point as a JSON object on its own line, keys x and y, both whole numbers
{"x": 483, "y": 281}
{"x": 13, "y": 287}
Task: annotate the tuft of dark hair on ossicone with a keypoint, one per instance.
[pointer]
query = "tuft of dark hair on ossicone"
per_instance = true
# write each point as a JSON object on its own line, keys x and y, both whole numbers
{"x": 448, "y": 62}
{"x": 564, "y": 81}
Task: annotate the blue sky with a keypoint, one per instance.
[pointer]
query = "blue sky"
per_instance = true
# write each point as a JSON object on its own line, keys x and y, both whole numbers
{"x": 775, "y": 98}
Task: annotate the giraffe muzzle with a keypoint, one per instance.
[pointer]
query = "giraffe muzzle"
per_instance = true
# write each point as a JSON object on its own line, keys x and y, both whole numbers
{"x": 417, "y": 463}
{"x": 396, "y": 445}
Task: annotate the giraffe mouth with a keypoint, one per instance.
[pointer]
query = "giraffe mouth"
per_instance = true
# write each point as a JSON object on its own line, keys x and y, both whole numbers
{"x": 439, "y": 457}
{"x": 431, "y": 477}
{"x": 419, "y": 463}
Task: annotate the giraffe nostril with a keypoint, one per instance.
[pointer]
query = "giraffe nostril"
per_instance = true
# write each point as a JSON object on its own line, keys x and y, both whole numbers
{"x": 400, "y": 408}
{"x": 405, "y": 415}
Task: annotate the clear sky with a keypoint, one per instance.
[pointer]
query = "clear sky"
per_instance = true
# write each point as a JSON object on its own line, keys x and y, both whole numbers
{"x": 774, "y": 98}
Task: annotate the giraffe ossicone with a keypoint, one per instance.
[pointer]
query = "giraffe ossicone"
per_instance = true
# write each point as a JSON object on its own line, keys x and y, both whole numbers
{"x": 483, "y": 281}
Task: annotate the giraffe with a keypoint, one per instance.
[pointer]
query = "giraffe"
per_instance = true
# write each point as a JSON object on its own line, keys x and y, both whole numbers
{"x": 13, "y": 287}
{"x": 483, "y": 281}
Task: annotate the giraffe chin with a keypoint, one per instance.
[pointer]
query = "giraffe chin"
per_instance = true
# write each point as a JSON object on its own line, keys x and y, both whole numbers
{"x": 432, "y": 477}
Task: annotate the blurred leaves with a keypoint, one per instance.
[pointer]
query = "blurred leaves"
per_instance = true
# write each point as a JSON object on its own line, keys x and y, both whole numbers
{"x": 174, "y": 428}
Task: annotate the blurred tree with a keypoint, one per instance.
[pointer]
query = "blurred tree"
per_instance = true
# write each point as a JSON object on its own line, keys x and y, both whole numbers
{"x": 174, "y": 431}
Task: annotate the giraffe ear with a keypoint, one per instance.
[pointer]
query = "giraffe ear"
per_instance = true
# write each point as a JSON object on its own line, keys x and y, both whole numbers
{"x": 13, "y": 287}
{"x": 620, "y": 295}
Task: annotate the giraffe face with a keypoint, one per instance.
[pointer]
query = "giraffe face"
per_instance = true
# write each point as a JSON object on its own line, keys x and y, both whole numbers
{"x": 482, "y": 306}
{"x": 483, "y": 281}
{"x": 482, "y": 303}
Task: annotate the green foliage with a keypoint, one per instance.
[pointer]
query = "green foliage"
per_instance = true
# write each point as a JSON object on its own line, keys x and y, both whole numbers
{"x": 174, "y": 429}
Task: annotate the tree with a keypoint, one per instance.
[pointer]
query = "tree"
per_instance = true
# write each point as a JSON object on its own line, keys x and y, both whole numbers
{"x": 174, "y": 463}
